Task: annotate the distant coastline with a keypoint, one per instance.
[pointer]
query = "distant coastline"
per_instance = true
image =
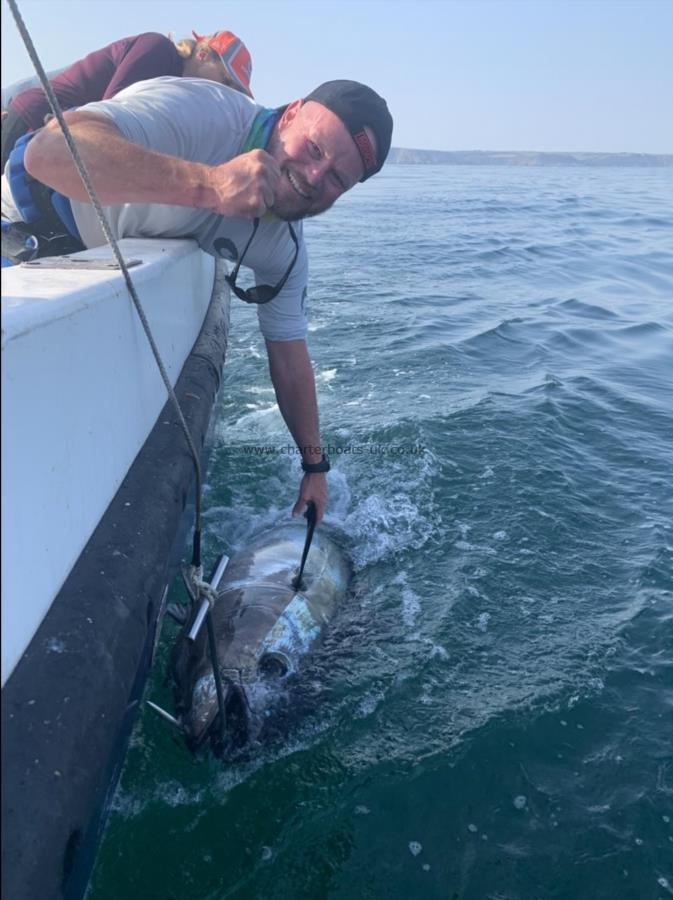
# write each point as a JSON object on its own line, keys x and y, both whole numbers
{"x": 406, "y": 156}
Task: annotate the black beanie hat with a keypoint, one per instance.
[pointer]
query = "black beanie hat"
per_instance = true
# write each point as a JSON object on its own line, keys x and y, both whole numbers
{"x": 358, "y": 106}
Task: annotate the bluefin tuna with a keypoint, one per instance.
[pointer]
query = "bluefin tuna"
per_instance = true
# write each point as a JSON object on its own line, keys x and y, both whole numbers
{"x": 263, "y": 628}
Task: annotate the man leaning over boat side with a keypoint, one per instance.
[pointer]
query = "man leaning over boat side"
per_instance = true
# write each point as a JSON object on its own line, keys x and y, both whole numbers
{"x": 221, "y": 57}
{"x": 183, "y": 157}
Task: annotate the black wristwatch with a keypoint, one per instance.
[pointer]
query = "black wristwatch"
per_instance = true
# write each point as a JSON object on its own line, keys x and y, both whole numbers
{"x": 315, "y": 468}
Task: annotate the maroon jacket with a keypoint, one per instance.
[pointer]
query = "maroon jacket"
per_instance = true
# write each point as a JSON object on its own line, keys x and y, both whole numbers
{"x": 102, "y": 74}
{"x": 99, "y": 75}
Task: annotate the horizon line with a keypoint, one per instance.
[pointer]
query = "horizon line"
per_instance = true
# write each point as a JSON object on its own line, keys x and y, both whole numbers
{"x": 667, "y": 155}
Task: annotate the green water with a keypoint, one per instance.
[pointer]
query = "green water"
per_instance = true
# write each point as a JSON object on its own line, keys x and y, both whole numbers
{"x": 491, "y": 713}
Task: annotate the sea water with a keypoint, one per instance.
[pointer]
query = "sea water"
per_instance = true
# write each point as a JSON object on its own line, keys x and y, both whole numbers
{"x": 491, "y": 713}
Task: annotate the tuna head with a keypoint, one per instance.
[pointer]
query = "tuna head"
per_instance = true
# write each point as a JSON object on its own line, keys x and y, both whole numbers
{"x": 263, "y": 629}
{"x": 243, "y": 716}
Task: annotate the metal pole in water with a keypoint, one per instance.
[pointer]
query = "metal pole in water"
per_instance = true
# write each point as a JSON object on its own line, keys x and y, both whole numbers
{"x": 204, "y": 614}
{"x": 199, "y": 618}
{"x": 310, "y": 516}
{"x": 212, "y": 646}
{"x": 165, "y": 715}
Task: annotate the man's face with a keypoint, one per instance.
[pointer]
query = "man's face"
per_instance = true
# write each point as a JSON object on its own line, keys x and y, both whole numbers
{"x": 318, "y": 160}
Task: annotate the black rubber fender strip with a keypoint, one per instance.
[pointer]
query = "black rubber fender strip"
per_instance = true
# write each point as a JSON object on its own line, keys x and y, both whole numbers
{"x": 67, "y": 716}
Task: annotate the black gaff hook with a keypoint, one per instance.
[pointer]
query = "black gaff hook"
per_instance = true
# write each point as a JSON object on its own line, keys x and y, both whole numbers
{"x": 310, "y": 515}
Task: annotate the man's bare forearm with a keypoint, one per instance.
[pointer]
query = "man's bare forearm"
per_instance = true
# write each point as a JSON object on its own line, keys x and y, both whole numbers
{"x": 125, "y": 172}
{"x": 294, "y": 383}
{"x": 121, "y": 171}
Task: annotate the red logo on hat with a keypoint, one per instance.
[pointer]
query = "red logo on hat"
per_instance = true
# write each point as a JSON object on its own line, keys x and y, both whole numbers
{"x": 364, "y": 145}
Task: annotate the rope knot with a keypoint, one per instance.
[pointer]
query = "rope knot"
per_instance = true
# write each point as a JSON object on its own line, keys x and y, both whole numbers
{"x": 201, "y": 588}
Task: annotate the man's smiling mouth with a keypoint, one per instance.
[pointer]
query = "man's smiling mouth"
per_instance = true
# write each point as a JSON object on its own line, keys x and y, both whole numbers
{"x": 295, "y": 184}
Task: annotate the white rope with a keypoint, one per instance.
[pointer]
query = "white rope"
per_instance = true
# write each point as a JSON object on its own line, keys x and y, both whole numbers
{"x": 201, "y": 587}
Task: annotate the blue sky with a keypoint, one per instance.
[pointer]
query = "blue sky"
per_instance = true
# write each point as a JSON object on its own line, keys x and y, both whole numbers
{"x": 457, "y": 74}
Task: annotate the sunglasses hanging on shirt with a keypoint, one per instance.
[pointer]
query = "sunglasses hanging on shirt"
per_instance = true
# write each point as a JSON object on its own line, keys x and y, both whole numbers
{"x": 261, "y": 293}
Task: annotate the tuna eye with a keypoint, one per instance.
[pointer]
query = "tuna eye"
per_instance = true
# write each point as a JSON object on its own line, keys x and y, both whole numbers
{"x": 274, "y": 665}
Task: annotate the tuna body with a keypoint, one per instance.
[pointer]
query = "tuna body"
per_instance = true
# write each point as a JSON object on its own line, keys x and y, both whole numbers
{"x": 263, "y": 627}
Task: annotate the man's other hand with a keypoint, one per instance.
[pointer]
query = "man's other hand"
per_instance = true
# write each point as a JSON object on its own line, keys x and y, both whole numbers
{"x": 245, "y": 187}
{"x": 313, "y": 487}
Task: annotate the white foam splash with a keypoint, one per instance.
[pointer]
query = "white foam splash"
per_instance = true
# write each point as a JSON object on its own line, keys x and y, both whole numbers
{"x": 411, "y": 607}
{"x": 257, "y": 389}
{"x": 411, "y": 603}
{"x": 368, "y": 704}
{"x": 379, "y": 527}
{"x": 170, "y": 793}
{"x": 174, "y": 794}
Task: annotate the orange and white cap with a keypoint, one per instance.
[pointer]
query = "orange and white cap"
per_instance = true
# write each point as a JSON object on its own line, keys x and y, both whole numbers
{"x": 234, "y": 54}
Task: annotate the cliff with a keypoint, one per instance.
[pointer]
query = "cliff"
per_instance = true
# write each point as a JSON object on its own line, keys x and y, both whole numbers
{"x": 406, "y": 156}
